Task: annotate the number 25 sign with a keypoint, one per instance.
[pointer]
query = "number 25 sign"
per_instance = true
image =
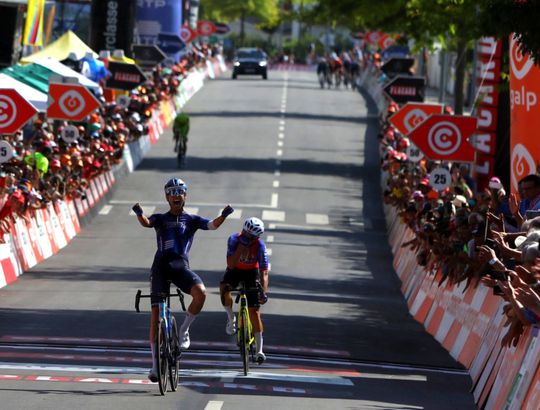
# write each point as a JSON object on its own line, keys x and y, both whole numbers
{"x": 71, "y": 102}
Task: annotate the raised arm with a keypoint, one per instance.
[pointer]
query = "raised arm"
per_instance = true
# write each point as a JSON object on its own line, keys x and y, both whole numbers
{"x": 143, "y": 220}
{"x": 216, "y": 222}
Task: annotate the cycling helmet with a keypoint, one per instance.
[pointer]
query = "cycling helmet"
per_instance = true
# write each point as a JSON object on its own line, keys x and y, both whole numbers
{"x": 254, "y": 226}
{"x": 175, "y": 187}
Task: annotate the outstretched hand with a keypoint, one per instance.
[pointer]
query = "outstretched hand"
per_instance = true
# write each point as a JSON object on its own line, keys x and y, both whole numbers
{"x": 227, "y": 211}
{"x": 137, "y": 209}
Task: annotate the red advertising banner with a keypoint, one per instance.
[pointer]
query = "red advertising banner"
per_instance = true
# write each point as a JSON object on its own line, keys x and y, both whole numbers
{"x": 524, "y": 115}
{"x": 488, "y": 75}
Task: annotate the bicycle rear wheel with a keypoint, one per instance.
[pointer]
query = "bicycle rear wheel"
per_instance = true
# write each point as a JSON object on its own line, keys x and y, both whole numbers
{"x": 174, "y": 365}
{"x": 163, "y": 358}
{"x": 244, "y": 340}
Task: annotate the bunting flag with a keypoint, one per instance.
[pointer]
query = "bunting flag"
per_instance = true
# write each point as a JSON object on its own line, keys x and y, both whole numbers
{"x": 33, "y": 28}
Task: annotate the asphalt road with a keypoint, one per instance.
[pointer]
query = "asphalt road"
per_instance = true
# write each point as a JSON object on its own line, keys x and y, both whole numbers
{"x": 338, "y": 334}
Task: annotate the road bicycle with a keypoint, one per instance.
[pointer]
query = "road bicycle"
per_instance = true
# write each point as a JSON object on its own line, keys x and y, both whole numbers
{"x": 180, "y": 148}
{"x": 245, "y": 338}
{"x": 167, "y": 341}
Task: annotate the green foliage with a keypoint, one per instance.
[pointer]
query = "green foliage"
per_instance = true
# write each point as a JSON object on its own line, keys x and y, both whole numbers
{"x": 265, "y": 11}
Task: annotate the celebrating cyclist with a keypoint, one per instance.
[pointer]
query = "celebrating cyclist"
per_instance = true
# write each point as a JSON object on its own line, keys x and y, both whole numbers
{"x": 247, "y": 261}
{"x": 175, "y": 230}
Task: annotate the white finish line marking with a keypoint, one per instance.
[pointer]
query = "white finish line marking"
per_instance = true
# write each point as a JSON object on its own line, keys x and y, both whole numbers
{"x": 317, "y": 219}
{"x": 278, "y": 216}
{"x": 214, "y": 405}
{"x": 105, "y": 210}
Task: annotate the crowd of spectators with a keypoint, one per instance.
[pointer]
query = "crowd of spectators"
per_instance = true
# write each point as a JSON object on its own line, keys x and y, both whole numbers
{"x": 45, "y": 168}
{"x": 486, "y": 237}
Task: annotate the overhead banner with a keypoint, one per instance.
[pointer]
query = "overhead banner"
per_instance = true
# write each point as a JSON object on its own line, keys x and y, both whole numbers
{"x": 156, "y": 17}
{"x": 488, "y": 76}
{"x": 33, "y": 27}
{"x": 113, "y": 22}
{"x": 524, "y": 115}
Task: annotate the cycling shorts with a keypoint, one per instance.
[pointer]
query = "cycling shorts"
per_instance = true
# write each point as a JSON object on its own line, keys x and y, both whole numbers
{"x": 174, "y": 269}
{"x": 233, "y": 277}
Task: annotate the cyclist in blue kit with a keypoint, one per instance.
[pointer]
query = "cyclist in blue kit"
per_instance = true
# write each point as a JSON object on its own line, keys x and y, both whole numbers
{"x": 174, "y": 231}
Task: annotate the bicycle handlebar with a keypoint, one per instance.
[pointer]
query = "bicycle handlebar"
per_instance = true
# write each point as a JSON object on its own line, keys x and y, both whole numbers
{"x": 139, "y": 296}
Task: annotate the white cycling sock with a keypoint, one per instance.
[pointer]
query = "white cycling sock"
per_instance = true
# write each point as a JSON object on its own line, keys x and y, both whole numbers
{"x": 230, "y": 313}
{"x": 259, "y": 341}
{"x": 153, "y": 349}
{"x": 188, "y": 320}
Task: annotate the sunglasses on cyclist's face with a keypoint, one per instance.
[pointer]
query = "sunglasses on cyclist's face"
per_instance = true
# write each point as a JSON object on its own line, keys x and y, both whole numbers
{"x": 175, "y": 191}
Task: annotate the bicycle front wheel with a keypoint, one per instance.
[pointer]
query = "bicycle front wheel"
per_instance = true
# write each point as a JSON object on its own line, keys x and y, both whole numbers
{"x": 174, "y": 364}
{"x": 244, "y": 340}
{"x": 163, "y": 358}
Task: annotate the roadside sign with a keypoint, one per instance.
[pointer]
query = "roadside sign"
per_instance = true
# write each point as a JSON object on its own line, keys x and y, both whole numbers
{"x": 444, "y": 137}
{"x": 15, "y": 111}
{"x": 222, "y": 28}
{"x": 396, "y": 66}
{"x": 71, "y": 102}
{"x": 6, "y": 151}
{"x": 403, "y": 89}
{"x": 148, "y": 56}
{"x": 372, "y": 37}
{"x": 414, "y": 154}
{"x": 124, "y": 76}
{"x": 187, "y": 34}
{"x": 70, "y": 133}
{"x": 385, "y": 41}
{"x": 440, "y": 179}
{"x": 170, "y": 43}
{"x": 413, "y": 114}
{"x": 205, "y": 28}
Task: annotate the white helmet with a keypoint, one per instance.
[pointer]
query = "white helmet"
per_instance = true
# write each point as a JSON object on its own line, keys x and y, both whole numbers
{"x": 254, "y": 226}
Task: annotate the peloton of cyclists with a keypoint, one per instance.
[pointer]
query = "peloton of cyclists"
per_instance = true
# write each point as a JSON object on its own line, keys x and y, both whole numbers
{"x": 175, "y": 230}
{"x": 247, "y": 261}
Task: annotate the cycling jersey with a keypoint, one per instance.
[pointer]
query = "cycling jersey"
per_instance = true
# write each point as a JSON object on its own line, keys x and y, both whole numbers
{"x": 181, "y": 124}
{"x": 257, "y": 257}
{"x": 175, "y": 233}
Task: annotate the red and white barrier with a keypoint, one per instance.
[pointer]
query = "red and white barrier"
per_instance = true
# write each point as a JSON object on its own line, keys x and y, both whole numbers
{"x": 469, "y": 323}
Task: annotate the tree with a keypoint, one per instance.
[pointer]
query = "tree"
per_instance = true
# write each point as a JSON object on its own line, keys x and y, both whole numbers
{"x": 266, "y": 12}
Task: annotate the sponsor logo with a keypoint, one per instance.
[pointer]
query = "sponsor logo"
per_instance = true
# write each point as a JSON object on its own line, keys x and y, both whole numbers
{"x": 444, "y": 138}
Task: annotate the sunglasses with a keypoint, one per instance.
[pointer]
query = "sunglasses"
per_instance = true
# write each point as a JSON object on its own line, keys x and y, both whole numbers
{"x": 175, "y": 191}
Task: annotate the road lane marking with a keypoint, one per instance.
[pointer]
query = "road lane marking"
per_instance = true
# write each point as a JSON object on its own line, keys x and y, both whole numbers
{"x": 237, "y": 214}
{"x": 281, "y": 122}
{"x": 197, "y": 204}
{"x": 268, "y": 215}
{"x": 277, "y": 173}
{"x": 269, "y": 251}
{"x": 317, "y": 219}
{"x": 279, "y": 152}
{"x": 214, "y": 405}
{"x": 275, "y": 184}
{"x": 281, "y": 135}
{"x": 105, "y": 210}
{"x": 269, "y": 239}
{"x": 274, "y": 200}
{"x": 281, "y": 128}
{"x": 280, "y": 143}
